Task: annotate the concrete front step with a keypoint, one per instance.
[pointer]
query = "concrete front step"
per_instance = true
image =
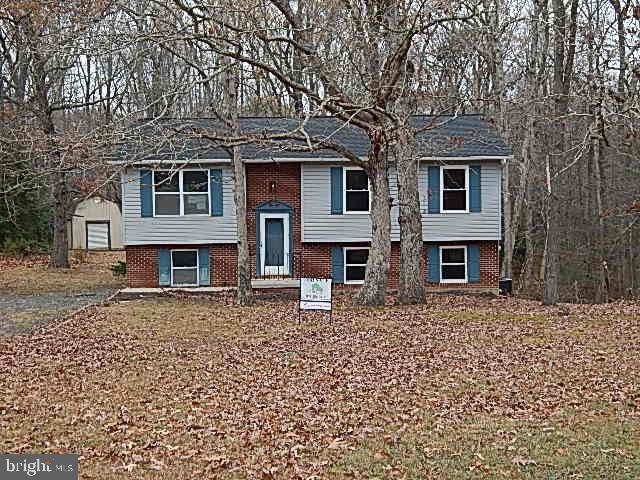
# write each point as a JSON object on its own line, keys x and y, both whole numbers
{"x": 275, "y": 283}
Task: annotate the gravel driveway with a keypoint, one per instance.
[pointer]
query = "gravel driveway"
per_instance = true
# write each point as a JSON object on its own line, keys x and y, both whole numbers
{"x": 21, "y": 313}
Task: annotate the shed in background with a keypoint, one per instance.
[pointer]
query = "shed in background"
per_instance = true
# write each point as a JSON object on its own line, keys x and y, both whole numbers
{"x": 96, "y": 225}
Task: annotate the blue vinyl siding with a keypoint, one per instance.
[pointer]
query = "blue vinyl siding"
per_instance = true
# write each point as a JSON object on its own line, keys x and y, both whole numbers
{"x": 185, "y": 230}
{"x": 164, "y": 267}
{"x": 146, "y": 193}
{"x": 475, "y": 188}
{"x": 473, "y": 263}
{"x": 320, "y": 225}
{"x": 433, "y": 261}
{"x": 217, "y": 195}
{"x": 203, "y": 271}
{"x": 337, "y": 264}
{"x": 336, "y": 191}
{"x": 433, "y": 191}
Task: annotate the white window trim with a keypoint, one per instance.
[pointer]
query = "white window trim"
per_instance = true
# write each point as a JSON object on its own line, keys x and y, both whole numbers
{"x": 466, "y": 272}
{"x": 186, "y": 268}
{"x": 466, "y": 187}
{"x": 181, "y": 193}
{"x": 344, "y": 267}
{"x": 344, "y": 193}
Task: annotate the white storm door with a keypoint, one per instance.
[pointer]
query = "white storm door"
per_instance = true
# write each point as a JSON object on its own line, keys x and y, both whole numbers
{"x": 274, "y": 244}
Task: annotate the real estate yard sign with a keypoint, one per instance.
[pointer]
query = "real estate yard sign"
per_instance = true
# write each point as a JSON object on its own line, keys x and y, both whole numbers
{"x": 315, "y": 294}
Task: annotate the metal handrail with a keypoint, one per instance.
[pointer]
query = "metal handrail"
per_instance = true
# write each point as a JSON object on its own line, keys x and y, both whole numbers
{"x": 276, "y": 272}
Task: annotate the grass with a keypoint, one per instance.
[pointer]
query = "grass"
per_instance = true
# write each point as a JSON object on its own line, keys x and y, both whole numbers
{"x": 39, "y": 278}
{"x": 486, "y": 447}
{"x": 459, "y": 388}
{"x": 24, "y": 321}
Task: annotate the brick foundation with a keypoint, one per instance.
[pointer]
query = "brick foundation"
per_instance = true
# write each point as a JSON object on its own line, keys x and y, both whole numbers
{"x": 311, "y": 260}
{"x": 142, "y": 264}
{"x": 317, "y": 263}
{"x": 489, "y": 268}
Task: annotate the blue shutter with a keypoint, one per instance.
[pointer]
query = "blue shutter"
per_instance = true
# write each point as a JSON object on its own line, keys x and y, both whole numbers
{"x": 336, "y": 191}
{"x": 203, "y": 262}
{"x": 433, "y": 260}
{"x": 475, "y": 191}
{"x": 473, "y": 263}
{"x": 164, "y": 267}
{"x": 146, "y": 193}
{"x": 434, "y": 190}
{"x": 215, "y": 178}
{"x": 337, "y": 264}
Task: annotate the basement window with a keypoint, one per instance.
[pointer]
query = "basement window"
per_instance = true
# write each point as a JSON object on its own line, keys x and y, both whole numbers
{"x": 184, "y": 268}
{"x": 355, "y": 264}
{"x": 453, "y": 264}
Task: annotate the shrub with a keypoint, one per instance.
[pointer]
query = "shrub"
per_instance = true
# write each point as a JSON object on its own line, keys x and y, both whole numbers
{"x": 119, "y": 269}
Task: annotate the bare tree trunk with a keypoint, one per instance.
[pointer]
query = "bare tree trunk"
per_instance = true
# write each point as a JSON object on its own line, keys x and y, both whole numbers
{"x": 245, "y": 292}
{"x": 59, "y": 183}
{"x": 411, "y": 276}
{"x": 60, "y": 248}
{"x": 411, "y": 282}
{"x": 564, "y": 49}
{"x": 602, "y": 293}
{"x": 374, "y": 289}
{"x": 509, "y": 227}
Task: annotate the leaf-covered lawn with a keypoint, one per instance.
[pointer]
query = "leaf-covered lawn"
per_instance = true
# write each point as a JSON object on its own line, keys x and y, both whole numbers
{"x": 32, "y": 275}
{"x": 464, "y": 387}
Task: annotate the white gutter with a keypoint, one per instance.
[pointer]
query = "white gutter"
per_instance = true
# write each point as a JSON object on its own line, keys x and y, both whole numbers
{"x": 487, "y": 158}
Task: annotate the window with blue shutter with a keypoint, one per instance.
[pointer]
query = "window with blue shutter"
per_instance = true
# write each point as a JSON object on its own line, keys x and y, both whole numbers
{"x": 336, "y": 191}
{"x": 164, "y": 267}
{"x": 215, "y": 177}
{"x": 434, "y": 189}
{"x": 475, "y": 190}
{"x": 337, "y": 264}
{"x": 203, "y": 266}
{"x": 146, "y": 193}
{"x": 473, "y": 263}
{"x": 433, "y": 262}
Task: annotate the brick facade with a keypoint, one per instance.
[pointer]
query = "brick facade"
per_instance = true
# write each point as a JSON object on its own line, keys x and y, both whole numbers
{"x": 312, "y": 260}
{"x": 281, "y": 182}
{"x": 285, "y": 180}
{"x": 489, "y": 267}
{"x": 142, "y": 264}
{"x": 317, "y": 263}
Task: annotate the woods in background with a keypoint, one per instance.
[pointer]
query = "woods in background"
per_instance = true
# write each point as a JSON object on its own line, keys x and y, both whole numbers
{"x": 558, "y": 79}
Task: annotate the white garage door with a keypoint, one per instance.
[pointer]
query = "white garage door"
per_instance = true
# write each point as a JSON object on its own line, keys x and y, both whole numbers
{"x": 97, "y": 236}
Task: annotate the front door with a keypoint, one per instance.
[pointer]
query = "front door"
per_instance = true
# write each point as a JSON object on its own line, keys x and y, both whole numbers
{"x": 274, "y": 251}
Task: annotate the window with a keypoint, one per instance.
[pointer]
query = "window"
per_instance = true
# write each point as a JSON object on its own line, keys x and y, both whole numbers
{"x": 355, "y": 263}
{"x": 453, "y": 264}
{"x": 185, "y": 192}
{"x": 455, "y": 187}
{"x": 356, "y": 190}
{"x": 184, "y": 267}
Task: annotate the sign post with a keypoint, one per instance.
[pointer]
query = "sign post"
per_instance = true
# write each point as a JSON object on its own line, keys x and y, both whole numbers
{"x": 315, "y": 294}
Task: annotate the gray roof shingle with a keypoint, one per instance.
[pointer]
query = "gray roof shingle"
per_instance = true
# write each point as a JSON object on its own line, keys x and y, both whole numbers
{"x": 174, "y": 140}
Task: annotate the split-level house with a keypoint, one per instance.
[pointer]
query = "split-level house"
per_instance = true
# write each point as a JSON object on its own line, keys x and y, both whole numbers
{"x": 308, "y": 212}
